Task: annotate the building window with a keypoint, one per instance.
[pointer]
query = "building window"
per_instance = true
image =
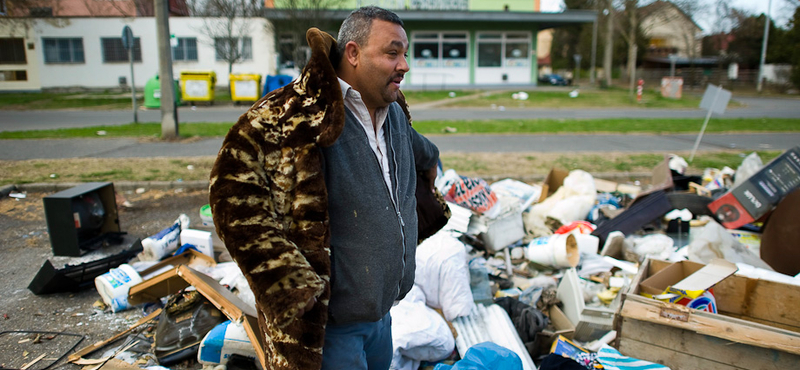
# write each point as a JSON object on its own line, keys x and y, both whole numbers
{"x": 504, "y": 49}
{"x": 63, "y": 50}
{"x": 186, "y": 50}
{"x": 12, "y": 51}
{"x": 20, "y": 75}
{"x": 440, "y": 49}
{"x": 41, "y": 12}
{"x": 113, "y": 52}
{"x": 233, "y": 48}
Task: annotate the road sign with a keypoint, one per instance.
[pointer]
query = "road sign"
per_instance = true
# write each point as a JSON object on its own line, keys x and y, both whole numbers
{"x": 715, "y": 99}
{"x": 127, "y": 38}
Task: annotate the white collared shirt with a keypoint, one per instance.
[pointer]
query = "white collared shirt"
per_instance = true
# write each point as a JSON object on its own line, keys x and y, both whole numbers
{"x": 375, "y": 134}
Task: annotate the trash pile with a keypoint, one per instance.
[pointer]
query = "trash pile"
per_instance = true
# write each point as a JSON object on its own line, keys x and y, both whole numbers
{"x": 574, "y": 272}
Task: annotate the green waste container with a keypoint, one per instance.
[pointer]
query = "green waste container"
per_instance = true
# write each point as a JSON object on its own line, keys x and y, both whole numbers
{"x": 245, "y": 87}
{"x": 198, "y": 86}
{"x": 152, "y": 93}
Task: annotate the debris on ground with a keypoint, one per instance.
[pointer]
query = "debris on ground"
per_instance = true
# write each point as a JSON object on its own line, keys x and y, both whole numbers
{"x": 574, "y": 271}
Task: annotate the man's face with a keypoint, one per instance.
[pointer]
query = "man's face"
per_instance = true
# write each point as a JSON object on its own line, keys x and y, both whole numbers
{"x": 382, "y": 64}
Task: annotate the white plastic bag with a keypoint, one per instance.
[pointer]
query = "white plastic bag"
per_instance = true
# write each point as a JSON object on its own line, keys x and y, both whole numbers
{"x": 418, "y": 333}
{"x": 750, "y": 165}
{"x": 571, "y": 202}
{"x": 443, "y": 275}
{"x": 716, "y": 241}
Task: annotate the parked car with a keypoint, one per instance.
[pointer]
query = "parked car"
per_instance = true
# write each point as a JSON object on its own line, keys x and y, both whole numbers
{"x": 553, "y": 79}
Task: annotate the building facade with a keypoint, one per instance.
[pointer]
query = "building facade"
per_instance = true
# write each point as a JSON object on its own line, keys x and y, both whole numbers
{"x": 453, "y": 43}
{"x": 88, "y": 52}
{"x": 458, "y": 43}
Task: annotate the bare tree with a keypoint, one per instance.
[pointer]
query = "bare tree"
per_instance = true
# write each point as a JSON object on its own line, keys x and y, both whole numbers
{"x": 628, "y": 32}
{"x": 608, "y": 52}
{"x": 297, "y": 17}
{"x": 20, "y": 16}
{"x": 227, "y": 25}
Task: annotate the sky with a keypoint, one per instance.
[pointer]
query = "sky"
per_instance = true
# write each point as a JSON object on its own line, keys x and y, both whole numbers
{"x": 779, "y": 11}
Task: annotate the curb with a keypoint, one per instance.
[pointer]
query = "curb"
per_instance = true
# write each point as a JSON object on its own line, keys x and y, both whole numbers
{"x": 118, "y": 186}
{"x": 203, "y": 184}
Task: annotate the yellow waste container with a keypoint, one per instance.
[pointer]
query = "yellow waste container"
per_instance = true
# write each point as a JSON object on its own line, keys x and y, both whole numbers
{"x": 245, "y": 87}
{"x": 198, "y": 86}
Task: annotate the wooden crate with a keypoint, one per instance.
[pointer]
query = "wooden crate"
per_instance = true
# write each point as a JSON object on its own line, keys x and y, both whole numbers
{"x": 757, "y": 327}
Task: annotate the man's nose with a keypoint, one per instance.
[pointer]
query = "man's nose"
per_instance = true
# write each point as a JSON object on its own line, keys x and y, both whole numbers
{"x": 403, "y": 65}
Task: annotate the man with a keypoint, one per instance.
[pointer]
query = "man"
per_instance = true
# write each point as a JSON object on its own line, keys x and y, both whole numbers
{"x": 313, "y": 193}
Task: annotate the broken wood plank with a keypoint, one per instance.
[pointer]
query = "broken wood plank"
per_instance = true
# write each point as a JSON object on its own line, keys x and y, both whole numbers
{"x": 93, "y": 347}
{"x": 26, "y": 366}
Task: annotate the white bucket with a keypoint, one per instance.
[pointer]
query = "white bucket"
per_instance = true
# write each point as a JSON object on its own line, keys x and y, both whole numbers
{"x": 559, "y": 251}
{"x": 114, "y": 285}
{"x": 587, "y": 244}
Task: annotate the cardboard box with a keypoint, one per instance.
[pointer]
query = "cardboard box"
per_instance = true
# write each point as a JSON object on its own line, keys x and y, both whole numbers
{"x": 752, "y": 199}
{"x": 559, "y": 325}
{"x": 757, "y": 327}
{"x": 688, "y": 283}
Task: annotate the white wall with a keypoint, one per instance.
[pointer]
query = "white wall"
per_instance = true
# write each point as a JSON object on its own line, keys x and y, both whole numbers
{"x": 31, "y": 66}
{"x": 96, "y": 74}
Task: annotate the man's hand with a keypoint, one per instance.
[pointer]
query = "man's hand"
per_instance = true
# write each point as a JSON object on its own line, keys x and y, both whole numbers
{"x": 308, "y": 306}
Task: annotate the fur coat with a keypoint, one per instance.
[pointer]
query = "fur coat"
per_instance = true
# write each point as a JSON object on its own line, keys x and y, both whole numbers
{"x": 269, "y": 202}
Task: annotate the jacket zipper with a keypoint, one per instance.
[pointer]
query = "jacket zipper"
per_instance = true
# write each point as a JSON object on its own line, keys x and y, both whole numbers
{"x": 390, "y": 145}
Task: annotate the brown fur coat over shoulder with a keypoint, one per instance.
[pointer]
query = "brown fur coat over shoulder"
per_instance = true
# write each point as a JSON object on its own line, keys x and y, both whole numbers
{"x": 269, "y": 202}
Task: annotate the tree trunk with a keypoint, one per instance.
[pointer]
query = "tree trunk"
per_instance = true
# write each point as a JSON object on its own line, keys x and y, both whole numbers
{"x": 609, "y": 47}
{"x": 632, "y": 8}
{"x": 230, "y": 84}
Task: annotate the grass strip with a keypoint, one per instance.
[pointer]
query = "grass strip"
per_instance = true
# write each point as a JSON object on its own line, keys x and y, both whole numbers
{"x": 510, "y": 126}
{"x": 485, "y": 165}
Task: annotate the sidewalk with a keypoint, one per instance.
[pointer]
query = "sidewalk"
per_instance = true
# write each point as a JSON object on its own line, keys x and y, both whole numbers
{"x": 133, "y": 148}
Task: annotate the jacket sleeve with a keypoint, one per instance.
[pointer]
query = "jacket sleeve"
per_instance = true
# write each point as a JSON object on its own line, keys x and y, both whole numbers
{"x": 426, "y": 154}
{"x": 250, "y": 196}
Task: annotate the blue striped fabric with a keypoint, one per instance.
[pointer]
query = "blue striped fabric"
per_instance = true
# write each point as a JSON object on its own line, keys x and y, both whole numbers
{"x": 611, "y": 359}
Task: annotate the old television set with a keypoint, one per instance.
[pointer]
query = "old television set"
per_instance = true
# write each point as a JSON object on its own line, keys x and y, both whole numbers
{"x": 82, "y": 219}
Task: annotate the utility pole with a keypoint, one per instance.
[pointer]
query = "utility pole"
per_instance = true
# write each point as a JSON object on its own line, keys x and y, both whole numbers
{"x": 764, "y": 49}
{"x": 169, "y": 111}
{"x": 592, "y": 70}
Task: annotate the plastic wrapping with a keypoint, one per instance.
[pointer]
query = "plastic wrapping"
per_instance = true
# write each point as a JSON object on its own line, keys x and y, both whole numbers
{"x": 418, "y": 333}
{"x": 443, "y": 275}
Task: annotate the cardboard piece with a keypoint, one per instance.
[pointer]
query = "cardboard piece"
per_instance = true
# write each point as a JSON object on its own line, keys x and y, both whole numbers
{"x": 688, "y": 283}
{"x": 95, "y": 346}
{"x": 661, "y": 179}
{"x": 559, "y": 326}
{"x": 755, "y": 197}
{"x": 553, "y": 181}
{"x": 229, "y": 304}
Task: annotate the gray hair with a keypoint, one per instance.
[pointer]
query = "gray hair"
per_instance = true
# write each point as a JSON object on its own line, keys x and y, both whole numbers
{"x": 357, "y": 25}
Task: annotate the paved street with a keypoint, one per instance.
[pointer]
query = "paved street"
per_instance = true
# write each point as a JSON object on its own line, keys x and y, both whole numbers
{"x": 42, "y": 120}
{"x": 124, "y": 148}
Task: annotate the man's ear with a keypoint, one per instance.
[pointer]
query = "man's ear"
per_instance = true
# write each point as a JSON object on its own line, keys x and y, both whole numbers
{"x": 351, "y": 53}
